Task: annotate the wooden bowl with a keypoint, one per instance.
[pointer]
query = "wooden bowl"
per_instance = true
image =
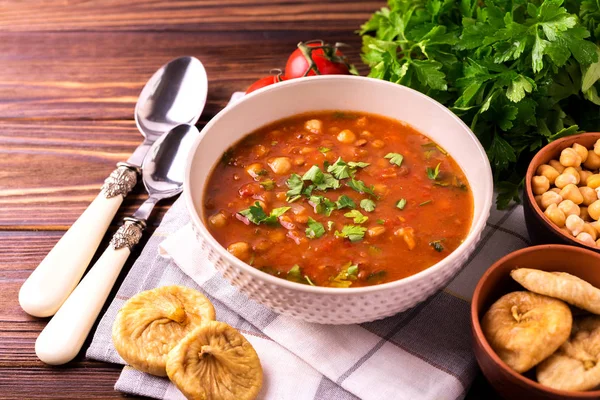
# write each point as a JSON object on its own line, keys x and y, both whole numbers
{"x": 541, "y": 230}
{"x": 497, "y": 282}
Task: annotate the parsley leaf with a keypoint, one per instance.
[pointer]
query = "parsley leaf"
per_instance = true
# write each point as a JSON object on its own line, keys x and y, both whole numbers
{"x": 295, "y": 184}
{"x": 401, "y": 204}
{"x": 368, "y": 205}
{"x": 295, "y": 275}
{"x": 344, "y": 202}
{"x": 324, "y": 149}
{"x": 357, "y": 216}
{"x": 322, "y": 205}
{"x": 268, "y": 184}
{"x": 321, "y": 181}
{"x": 346, "y": 276}
{"x": 395, "y": 158}
{"x": 437, "y": 245}
{"x": 315, "y": 229}
{"x": 433, "y": 173}
{"x": 360, "y": 187}
{"x": 339, "y": 169}
{"x": 359, "y": 164}
{"x": 257, "y": 215}
{"x": 352, "y": 232}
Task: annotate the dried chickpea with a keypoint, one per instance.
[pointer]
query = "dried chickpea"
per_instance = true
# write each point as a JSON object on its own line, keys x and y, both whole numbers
{"x": 570, "y": 158}
{"x": 581, "y": 150}
{"x": 375, "y": 231}
{"x": 584, "y": 175}
{"x": 596, "y": 226}
{"x": 240, "y": 250}
{"x": 594, "y": 210}
{"x": 571, "y": 192}
{"x": 548, "y": 198}
{"x": 346, "y": 136}
{"x": 255, "y": 170}
{"x": 298, "y": 161}
{"x": 584, "y": 214}
{"x": 218, "y": 220}
{"x": 557, "y": 166}
{"x": 593, "y": 181}
{"x": 555, "y": 190}
{"x": 549, "y": 172}
{"x": 260, "y": 150}
{"x": 366, "y": 134}
{"x": 556, "y": 215}
{"x": 586, "y": 239}
{"x": 281, "y": 165}
{"x": 306, "y": 150}
{"x": 538, "y": 200}
{"x": 540, "y": 184}
{"x": 593, "y": 160}
{"x": 276, "y": 236}
{"x": 313, "y": 126}
{"x": 587, "y": 228}
{"x": 574, "y": 224}
{"x": 377, "y": 143}
{"x": 598, "y": 243}
{"x": 408, "y": 235}
{"x": 380, "y": 189}
{"x": 589, "y": 195}
{"x": 564, "y": 179}
{"x": 568, "y": 207}
{"x": 574, "y": 172}
{"x": 597, "y": 147}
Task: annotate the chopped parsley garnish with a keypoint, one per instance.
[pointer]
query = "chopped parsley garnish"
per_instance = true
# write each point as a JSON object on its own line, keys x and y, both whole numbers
{"x": 344, "y": 202}
{"x": 360, "y": 187}
{"x": 324, "y": 149}
{"x": 437, "y": 245}
{"x": 262, "y": 172}
{"x": 346, "y": 276}
{"x": 401, "y": 204}
{"x": 395, "y": 158}
{"x": 425, "y": 203}
{"x": 376, "y": 276}
{"x": 434, "y": 146}
{"x": 367, "y": 204}
{"x": 257, "y": 215}
{"x": 295, "y": 275}
{"x": 268, "y": 184}
{"x": 315, "y": 229}
{"x": 381, "y": 221}
{"x": 322, "y": 181}
{"x": 340, "y": 169}
{"x": 433, "y": 173}
{"x": 322, "y": 205}
{"x": 352, "y": 232}
{"x": 359, "y": 164}
{"x": 357, "y": 216}
{"x": 295, "y": 184}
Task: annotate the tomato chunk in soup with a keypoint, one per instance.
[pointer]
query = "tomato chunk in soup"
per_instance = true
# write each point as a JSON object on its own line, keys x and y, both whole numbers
{"x": 339, "y": 199}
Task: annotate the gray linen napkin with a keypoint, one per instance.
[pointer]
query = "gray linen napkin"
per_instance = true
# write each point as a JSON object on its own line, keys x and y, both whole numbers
{"x": 423, "y": 353}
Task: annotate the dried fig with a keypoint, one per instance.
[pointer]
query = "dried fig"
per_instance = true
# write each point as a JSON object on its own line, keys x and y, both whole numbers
{"x": 560, "y": 285}
{"x": 151, "y": 323}
{"x": 215, "y": 362}
{"x": 524, "y": 328}
{"x": 576, "y": 365}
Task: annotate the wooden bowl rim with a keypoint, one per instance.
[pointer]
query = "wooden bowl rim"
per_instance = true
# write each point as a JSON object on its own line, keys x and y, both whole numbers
{"x": 480, "y": 337}
{"x": 533, "y": 166}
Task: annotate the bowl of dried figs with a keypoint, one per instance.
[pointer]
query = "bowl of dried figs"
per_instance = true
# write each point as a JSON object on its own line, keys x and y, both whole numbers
{"x": 562, "y": 192}
{"x": 535, "y": 318}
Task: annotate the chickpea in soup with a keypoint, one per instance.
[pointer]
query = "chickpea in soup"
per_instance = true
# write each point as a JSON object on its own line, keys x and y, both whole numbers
{"x": 338, "y": 199}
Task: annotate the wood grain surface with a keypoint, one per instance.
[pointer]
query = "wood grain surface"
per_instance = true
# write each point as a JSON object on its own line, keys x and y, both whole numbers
{"x": 70, "y": 73}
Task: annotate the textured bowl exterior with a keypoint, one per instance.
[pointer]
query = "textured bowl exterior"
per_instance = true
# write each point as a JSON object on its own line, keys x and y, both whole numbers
{"x": 337, "y": 305}
{"x": 539, "y": 227}
{"x": 497, "y": 282}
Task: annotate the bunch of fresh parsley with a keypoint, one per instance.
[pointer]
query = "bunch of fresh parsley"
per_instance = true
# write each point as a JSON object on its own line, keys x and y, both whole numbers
{"x": 520, "y": 73}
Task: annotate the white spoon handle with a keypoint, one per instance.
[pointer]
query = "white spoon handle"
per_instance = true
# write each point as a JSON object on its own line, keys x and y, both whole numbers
{"x": 55, "y": 277}
{"x": 62, "y": 338}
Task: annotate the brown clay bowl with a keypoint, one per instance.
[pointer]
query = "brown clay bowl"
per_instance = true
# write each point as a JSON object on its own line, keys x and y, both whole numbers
{"x": 541, "y": 230}
{"x": 497, "y": 282}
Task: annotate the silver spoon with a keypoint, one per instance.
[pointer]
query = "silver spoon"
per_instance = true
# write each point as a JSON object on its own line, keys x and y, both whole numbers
{"x": 176, "y": 94}
{"x": 163, "y": 172}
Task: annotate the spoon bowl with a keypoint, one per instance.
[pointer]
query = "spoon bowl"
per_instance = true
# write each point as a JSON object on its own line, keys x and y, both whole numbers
{"x": 171, "y": 97}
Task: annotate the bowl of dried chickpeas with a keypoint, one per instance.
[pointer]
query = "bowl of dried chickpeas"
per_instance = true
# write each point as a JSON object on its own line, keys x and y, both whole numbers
{"x": 562, "y": 192}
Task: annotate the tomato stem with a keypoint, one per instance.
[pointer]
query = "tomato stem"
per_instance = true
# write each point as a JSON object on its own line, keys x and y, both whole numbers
{"x": 329, "y": 53}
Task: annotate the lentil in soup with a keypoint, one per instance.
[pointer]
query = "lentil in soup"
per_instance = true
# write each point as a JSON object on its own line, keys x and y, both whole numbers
{"x": 339, "y": 199}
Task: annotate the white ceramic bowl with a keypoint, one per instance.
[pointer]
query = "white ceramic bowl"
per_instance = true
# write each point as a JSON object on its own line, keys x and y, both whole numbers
{"x": 335, "y": 92}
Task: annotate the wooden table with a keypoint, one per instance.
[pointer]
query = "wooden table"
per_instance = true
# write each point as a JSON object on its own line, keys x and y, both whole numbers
{"x": 70, "y": 73}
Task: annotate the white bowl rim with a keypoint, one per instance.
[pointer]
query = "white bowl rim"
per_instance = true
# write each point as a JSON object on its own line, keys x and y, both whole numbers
{"x": 476, "y": 227}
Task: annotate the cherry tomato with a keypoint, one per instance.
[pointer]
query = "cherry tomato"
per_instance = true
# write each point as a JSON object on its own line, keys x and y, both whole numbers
{"x": 307, "y": 60}
{"x": 266, "y": 81}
